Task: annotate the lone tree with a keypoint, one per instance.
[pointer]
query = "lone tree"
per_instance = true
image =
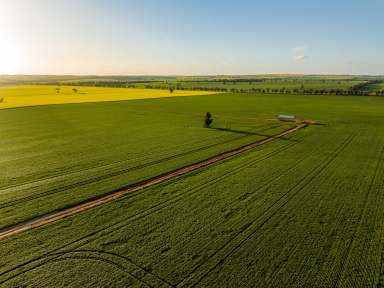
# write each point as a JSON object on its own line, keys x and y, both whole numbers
{"x": 75, "y": 90}
{"x": 171, "y": 89}
{"x": 208, "y": 120}
{"x": 58, "y": 90}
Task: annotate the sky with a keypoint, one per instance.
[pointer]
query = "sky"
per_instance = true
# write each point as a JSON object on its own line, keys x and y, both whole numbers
{"x": 191, "y": 37}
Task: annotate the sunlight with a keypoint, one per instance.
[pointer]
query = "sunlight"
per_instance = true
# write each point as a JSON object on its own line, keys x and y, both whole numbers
{"x": 11, "y": 58}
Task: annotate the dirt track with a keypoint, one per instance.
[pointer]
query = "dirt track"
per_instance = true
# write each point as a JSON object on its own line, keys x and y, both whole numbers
{"x": 93, "y": 202}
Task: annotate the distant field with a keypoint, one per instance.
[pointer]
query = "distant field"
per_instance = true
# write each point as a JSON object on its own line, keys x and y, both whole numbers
{"x": 21, "y": 96}
{"x": 375, "y": 87}
{"x": 266, "y": 84}
{"x": 303, "y": 211}
{"x": 46, "y": 79}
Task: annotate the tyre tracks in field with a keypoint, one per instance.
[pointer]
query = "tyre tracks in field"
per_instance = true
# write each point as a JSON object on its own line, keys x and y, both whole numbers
{"x": 380, "y": 280}
{"x": 97, "y": 201}
{"x": 248, "y": 197}
{"x": 94, "y": 236}
{"x": 112, "y": 174}
{"x": 348, "y": 252}
{"x": 170, "y": 201}
{"x": 122, "y": 263}
{"x": 236, "y": 242}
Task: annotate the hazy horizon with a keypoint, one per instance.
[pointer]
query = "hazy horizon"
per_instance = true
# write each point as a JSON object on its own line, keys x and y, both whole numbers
{"x": 152, "y": 37}
{"x": 193, "y": 75}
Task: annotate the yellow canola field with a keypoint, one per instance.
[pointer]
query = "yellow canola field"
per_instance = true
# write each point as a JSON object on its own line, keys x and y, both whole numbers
{"x": 33, "y": 95}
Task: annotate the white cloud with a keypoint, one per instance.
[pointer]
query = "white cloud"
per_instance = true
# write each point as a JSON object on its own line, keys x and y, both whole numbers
{"x": 300, "y": 53}
{"x": 301, "y": 57}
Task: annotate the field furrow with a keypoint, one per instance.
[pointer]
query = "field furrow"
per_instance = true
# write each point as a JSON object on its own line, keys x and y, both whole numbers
{"x": 305, "y": 210}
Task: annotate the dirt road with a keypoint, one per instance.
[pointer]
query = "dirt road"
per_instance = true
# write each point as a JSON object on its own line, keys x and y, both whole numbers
{"x": 94, "y": 202}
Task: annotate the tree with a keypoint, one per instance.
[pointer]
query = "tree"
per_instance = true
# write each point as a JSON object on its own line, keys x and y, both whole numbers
{"x": 58, "y": 90}
{"x": 208, "y": 120}
{"x": 1, "y": 100}
{"x": 171, "y": 89}
{"x": 75, "y": 90}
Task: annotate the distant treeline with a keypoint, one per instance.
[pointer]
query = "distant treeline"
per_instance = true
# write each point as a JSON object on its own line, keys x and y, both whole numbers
{"x": 356, "y": 90}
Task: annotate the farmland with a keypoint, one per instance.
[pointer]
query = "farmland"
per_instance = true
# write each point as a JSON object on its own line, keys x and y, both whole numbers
{"x": 376, "y": 87}
{"x": 86, "y": 150}
{"x": 276, "y": 84}
{"x": 297, "y": 212}
{"x": 269, "y": 84}
{"x": 33, "y": 95}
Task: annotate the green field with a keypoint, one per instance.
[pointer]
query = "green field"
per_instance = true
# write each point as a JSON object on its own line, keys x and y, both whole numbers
{"x": 375, "y": 87}
{"x": 265, "y": 84}
{"x": 57, "y": 155}
{"x": 306, "y": 210}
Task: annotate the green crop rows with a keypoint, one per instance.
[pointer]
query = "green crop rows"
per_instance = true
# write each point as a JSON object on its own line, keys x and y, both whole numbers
{"x": 304, "y": 211}
{"x": 87, "y": 150}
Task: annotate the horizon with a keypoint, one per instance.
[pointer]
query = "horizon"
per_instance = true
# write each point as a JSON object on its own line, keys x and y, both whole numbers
{"x": 193, "y": 38}
{"x": 196, "y": 75}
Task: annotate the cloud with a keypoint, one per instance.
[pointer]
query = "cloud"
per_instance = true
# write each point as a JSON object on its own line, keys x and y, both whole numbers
{"x": 301, "y": 57}
{"x": 300, "y": 54}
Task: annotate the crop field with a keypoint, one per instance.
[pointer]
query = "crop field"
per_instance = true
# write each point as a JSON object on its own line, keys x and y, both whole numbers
{"x": 265, "y": 84}
{"x": 33, "y": 95}
{"x": 298, "y": 212}
{"x": 376, "y": 87}
{"x": 56, "y": 155}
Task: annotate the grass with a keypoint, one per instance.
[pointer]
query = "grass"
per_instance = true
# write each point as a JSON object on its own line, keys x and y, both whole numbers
{"x": 56, "y": 155}
{"x": 306, "y": 210}
{"x": 33, "y": 95}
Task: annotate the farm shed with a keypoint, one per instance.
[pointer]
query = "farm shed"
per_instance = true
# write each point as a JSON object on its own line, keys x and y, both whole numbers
{"x": 286, "y": 117}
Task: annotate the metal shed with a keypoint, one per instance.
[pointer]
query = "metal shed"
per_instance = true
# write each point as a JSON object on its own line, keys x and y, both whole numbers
{"x": 286, "y": 117}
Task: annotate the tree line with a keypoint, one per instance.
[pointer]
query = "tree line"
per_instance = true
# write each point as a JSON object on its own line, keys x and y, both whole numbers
{"x": 350, "y": 91}
{"x": 360, "y": 89}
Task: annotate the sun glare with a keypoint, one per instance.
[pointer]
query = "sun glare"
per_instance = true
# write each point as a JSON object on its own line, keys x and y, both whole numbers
{"x": 11, "y": 58}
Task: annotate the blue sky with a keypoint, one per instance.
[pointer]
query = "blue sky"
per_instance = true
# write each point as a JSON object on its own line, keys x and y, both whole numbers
{"x": 190, "y": 37}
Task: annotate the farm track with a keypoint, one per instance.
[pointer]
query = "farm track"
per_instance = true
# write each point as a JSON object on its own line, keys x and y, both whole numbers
{"x": 113, "y": 227}
{"x": 112, "y": 174}
{"x": 119, "y": 224}
{"x": 191, "y": 281}
{"x": 97, "y": 201}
